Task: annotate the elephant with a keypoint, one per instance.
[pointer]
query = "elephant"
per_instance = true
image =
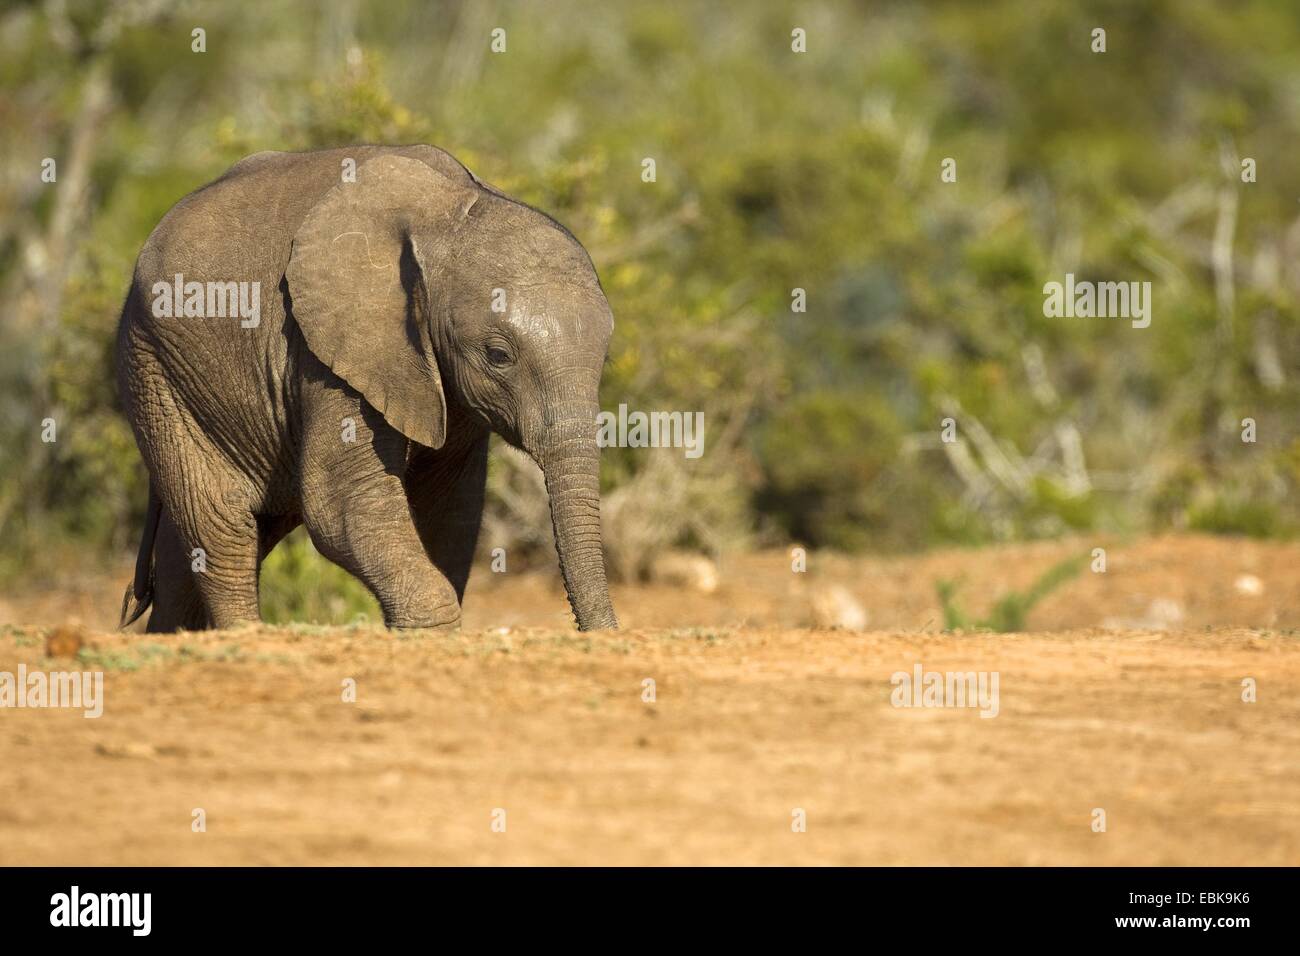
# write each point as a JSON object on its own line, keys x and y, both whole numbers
{"x": 329, "y": 338}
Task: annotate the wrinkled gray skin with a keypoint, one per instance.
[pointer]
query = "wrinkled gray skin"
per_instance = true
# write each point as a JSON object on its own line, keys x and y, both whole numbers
{"x": 376, "y": 306}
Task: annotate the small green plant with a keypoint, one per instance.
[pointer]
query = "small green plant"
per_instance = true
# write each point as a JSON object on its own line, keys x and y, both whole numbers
{"x": 1253, "y": 519}
{"x": 1010, "y": 611}
{"x": 133, "y": 657}
{"x": 128, "y": 658}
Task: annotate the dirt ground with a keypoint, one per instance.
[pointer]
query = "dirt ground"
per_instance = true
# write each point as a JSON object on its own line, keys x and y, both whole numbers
{"x": 1124, "y": 696}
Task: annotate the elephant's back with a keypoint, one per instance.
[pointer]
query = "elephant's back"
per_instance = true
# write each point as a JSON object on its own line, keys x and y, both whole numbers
{"x": 241, "y": 224}
{"x": 205, "y": 352}
{"x": 240, "y": 227}
{"x": 230, "y": 242}
{"x": 187, "y": 366}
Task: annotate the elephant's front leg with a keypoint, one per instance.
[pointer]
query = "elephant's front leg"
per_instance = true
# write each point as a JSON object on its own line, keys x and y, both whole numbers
{"x": 356, "y": 511}
{"x": 446, "y": 490}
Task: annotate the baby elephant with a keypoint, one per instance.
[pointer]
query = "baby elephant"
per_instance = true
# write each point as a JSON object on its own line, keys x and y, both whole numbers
{"x": 329, "y": 338}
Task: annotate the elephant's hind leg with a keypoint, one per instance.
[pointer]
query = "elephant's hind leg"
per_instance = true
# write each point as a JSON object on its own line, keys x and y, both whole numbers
{"x": 220, "y": 545}
{"x": 177, "y": 603}
{"x": 231, "y": 543}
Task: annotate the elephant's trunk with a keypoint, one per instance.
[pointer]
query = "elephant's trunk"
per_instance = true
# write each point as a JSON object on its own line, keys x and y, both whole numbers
{"x": 570, "y": 460}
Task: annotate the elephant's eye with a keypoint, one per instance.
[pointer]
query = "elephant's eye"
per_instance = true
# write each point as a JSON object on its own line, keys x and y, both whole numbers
{"x": 498, "y": 357}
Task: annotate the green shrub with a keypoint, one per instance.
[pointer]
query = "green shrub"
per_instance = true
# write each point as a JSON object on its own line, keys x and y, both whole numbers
{"x": 299, "y": 585}
{"x": 1010, "y": 611}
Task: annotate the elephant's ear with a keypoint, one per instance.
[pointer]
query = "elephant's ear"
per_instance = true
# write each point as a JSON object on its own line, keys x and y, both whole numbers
{"x": 358, "y": 287}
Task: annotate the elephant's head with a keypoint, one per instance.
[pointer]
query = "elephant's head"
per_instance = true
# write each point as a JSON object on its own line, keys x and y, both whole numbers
{"x": 420, "y": 290}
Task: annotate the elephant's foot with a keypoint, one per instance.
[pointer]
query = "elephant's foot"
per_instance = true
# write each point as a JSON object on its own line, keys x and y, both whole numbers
{"x": 407, "y": 623}
{"x": 418, "y": 600}
{"x": 223, "y": 555}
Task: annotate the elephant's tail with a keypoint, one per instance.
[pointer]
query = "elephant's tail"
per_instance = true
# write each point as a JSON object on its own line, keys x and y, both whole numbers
{"x": 139, "y": 593}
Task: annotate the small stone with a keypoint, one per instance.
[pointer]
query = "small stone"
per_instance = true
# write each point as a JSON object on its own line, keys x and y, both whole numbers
{"x": 1248, "y": 585}
{"x": 1164, "y": 613}
{"x": 133, "y": 749}
{"x": 64, "y": 641}
{"x": 834, "y": 607}
{"x": 686, "y": 570}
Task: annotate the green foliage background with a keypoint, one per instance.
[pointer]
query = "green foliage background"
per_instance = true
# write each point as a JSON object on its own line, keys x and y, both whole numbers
{"x": 775, "y": 171}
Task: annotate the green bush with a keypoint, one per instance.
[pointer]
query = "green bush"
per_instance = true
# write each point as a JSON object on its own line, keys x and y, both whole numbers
{"x": 299, "y": 585}
{"x": 775, "y": 171}
{"x": 827, "y": 459}
{"x": 1011, "y": 610}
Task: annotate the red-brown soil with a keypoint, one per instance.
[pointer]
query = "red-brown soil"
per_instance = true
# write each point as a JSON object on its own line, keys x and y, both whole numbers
{"x": 1125, "y": 695}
